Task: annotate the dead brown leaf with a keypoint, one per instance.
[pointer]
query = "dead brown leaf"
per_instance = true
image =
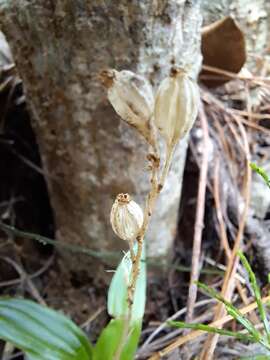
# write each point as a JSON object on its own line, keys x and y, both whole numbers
{"x": 223, "y": 47}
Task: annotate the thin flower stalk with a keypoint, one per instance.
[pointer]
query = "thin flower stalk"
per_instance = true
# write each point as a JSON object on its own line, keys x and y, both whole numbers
{"x": 172, "y": 114}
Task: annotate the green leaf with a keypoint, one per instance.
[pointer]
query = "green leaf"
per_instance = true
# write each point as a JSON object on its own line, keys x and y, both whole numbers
{"x": 42, "y": 333}
{"x": 261, "y": 172}
{"x": 211, "y": 329}
{"x": 257, "y": 293}
{"x": 130, "y": 348}
{"x": 111, "y": 337}
{"x": 117, "y": 295}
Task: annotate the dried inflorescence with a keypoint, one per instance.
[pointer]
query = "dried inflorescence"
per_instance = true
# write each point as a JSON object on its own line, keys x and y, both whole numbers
{"x": 126, "y": 217}
{"x": 172, "y": 113}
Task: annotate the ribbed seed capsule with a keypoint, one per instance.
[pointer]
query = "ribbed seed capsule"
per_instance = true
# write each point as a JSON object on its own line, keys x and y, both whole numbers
{"x": 131, "y": 96}
{"x": 126, "y": 217}
{"x": 176, "y": 106}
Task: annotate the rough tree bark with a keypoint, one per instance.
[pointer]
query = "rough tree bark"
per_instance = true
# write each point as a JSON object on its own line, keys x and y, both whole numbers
{"x": 88, "y": 154}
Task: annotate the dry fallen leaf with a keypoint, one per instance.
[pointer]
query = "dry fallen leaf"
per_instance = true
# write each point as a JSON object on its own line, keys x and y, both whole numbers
{"x": 223, "y": 47}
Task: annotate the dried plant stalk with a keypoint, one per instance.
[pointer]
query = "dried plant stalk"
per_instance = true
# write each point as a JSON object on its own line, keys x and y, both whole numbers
{"x": 173, "y": 114}
{"x": 136, "y": 258}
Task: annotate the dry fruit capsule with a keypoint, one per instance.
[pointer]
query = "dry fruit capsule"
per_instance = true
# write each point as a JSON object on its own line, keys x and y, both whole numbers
{"x": 176, "y": 106}
{"x": 126, "y": 217}
{"x": 131, "y": 96}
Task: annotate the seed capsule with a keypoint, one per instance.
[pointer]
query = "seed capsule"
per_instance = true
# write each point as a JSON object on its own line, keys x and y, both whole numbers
{"x": 176, "y": 106}
{"x": 126, "y": 217}
{"x": 131, "y": 96}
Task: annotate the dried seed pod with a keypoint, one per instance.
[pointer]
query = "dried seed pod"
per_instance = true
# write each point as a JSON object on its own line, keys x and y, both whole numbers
{"x": 176, "y": 106}
{"x": 126, "y": 217}
{"x": 131, "y": 96}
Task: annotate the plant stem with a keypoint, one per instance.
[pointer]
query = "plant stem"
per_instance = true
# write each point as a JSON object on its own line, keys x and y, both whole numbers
{"x": 156, "y": 187}
{"x": 168, "y": 161}
{"x": 132, "y": 253}
{"x": 149, "y": 206}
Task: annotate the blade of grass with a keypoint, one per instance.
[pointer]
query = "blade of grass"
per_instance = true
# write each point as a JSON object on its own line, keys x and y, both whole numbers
{"x": 181, "y": 340}
{"x": 256, "y": 357}
{"x": 257, "y": 294}
{"x": 235, "y": 313}
{"x": 261, "y": 172}
{"x": 211, "y": 329}
{"x": 11, "y": 230}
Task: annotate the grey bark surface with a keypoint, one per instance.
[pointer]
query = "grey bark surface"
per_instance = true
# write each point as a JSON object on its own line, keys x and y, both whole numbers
{"x": 88, "y": 153}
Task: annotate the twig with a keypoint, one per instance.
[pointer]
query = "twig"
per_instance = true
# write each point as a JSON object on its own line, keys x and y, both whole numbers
{"x": 255, "y": 79}
{"x": 93, "y": 317}
{"x": 31, "y": 276}
{"x": 194, "y": 276}
{"x": 223, "y": 235}
{"x": 210, "y": 98}
{"x": 24, "y": 277}
{"x": 251, "y": 114}
{"x": 255, "y": 126}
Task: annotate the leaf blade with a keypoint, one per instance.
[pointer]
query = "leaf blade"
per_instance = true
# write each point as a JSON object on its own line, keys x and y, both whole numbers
{"x": 40, "y": 332}
{"x": 211, "y": 329}
{"x": 257, "y": 293}
{"x": 260, "y": 171}
{"x": 110, "y": 338}
{"x": 117, "y": 294}
{"x": 231, "y": 310}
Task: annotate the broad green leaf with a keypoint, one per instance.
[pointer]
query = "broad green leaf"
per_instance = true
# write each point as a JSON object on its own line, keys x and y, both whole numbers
{"x": 42, "y": 333}
{"x": 111, "y": 338}
{"x": 117, "y": 295}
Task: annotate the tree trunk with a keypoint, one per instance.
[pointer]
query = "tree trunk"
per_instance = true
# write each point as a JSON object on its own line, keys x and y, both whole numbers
{"x": 88, "y": 153}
